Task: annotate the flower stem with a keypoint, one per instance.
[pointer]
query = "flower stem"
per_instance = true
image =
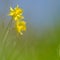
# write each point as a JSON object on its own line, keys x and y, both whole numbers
{"x": 4, "y": 37}
{"x": 6, "y": 31}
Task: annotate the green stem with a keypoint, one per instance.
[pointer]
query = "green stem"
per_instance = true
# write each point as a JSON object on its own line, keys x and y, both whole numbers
{"x": 4, "y": 37}
{"x": 6, "y": 31}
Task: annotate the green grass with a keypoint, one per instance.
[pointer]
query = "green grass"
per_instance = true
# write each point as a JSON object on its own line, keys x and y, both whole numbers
{"x": 30, "y": 46}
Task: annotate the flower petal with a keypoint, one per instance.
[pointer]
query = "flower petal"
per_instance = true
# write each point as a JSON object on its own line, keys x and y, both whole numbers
{"x": 11, "y": 9}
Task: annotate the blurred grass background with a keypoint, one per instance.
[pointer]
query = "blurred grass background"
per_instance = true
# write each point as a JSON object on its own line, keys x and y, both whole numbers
{"x": 41, "y": 41}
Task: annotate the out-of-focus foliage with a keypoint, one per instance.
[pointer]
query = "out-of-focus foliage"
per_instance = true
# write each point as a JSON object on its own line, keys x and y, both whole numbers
{"x": 30, "y": 46}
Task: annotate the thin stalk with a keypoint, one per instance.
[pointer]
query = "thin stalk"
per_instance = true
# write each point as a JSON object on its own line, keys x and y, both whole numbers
{"x": 4, "y": 37}
{"x": 6, "y": 31}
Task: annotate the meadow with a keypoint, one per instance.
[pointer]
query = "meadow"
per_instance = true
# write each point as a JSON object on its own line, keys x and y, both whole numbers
{"x": 41, "y": 40}
{"x": 33, "y": 45}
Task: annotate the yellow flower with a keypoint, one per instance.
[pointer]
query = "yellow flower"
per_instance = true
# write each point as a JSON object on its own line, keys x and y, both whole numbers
{"x": 20, "y": 26}
{"x": 16, "y": 13}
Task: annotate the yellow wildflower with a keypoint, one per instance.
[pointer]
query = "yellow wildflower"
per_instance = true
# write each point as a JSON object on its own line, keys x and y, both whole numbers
{"x": 20, "y": 26}
{"x": 16, "y": 13}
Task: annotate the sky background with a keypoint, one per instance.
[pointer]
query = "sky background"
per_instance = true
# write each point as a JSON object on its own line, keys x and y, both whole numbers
{"x": 38, "y": 13}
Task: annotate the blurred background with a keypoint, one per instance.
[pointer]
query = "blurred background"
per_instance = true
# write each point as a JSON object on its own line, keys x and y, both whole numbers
{"x": 41, "y": 41}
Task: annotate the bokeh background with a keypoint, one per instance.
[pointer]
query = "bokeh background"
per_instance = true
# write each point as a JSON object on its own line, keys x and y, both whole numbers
{"x": 41, "y": 41}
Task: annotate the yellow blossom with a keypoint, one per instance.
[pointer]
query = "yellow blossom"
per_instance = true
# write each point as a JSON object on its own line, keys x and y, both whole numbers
{"x": 20, "y": 26}
{"x": 16, "y": 13}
